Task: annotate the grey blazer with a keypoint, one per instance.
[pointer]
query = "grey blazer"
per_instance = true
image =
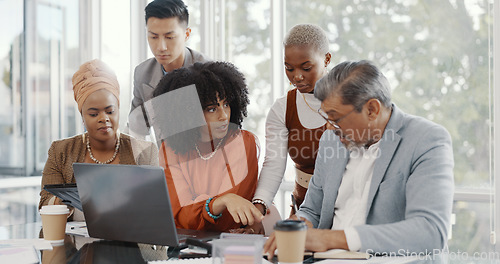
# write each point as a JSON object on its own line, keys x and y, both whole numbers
{"x": 147, "y": 75}
{"x": 411, "y": 193}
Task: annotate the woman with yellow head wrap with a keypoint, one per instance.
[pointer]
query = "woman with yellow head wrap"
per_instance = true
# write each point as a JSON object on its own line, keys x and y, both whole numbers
{"x": 92, "y": 76}
{"x": 96, "y": 92}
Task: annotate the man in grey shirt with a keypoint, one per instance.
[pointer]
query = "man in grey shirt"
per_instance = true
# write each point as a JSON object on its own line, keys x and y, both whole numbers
{"x": 383, "y": 181}
{"x": 167, "y": 33}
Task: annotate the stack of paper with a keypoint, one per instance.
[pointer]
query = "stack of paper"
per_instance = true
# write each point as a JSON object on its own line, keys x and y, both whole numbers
{"x": 18, "y": 254}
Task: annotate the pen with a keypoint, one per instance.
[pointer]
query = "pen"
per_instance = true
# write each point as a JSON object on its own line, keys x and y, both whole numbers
{"x": 294, "y": 203}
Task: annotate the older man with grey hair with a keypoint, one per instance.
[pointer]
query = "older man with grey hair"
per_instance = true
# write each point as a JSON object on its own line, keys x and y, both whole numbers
{"x": 383, "y": 181}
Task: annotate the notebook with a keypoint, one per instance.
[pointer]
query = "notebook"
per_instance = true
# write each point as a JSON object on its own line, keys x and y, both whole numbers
{"x": 338, "y": 254}
{"x": 195, "y": 261}
{"x": 129, "y": 203}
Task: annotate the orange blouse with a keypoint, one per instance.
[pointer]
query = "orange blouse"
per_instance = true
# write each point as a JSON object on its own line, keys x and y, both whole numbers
{"x": 192, "y": 180}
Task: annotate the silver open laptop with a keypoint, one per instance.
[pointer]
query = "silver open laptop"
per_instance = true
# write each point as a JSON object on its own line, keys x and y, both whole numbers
{"x": 129, "y": 203}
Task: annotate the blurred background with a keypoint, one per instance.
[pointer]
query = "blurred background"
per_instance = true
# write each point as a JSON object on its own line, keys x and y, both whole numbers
{"x": 439, "y": 57}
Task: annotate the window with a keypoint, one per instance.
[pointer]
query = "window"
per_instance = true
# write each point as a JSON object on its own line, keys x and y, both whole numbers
{"x": 247, "y": 45}
{"x": 438, "y": 68}
{"x": 437, "y": 55}
{"x": 115, "y": 51}
{"x": 51, "y": 62}
{"x": 40, "y": 53}
{"x": 11, "y": 129}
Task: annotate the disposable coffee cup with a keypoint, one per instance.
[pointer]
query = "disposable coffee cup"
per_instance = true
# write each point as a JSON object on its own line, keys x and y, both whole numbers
{"x": 54, "y": 223}
{"x": 290, "y": 240}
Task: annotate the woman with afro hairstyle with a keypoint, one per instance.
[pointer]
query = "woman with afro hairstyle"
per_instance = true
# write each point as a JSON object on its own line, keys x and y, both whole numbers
{"x": 211, "y": 165}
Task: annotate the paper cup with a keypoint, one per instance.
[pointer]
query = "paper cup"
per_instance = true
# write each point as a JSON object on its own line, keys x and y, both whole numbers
{"x": 290, "y": 240}
{"x": 54, "y": 223}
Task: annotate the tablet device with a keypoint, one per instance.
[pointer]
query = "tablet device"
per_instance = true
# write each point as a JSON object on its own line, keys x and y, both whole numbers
{"x": 68, "y": 193}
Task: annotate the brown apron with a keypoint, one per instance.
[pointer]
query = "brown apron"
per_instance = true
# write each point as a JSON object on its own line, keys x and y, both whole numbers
{"x": 303, "y": 146}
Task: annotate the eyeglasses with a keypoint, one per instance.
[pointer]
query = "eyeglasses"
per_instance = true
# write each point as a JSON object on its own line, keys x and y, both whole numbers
{"x": 334, "y": 124}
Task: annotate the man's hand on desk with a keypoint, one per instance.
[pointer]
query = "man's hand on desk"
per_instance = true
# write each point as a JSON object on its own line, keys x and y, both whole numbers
{"x": 317, "y": 240}
{"x": 270, "y": 245}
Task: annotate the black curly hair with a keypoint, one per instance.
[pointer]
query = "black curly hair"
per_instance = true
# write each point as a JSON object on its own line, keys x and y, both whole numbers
{"x": 213, "y": 80}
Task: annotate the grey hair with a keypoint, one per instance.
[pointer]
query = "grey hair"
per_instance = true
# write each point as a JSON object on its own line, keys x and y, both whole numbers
{"x": 307, "y": 35}
{"x": 355, "y": 82}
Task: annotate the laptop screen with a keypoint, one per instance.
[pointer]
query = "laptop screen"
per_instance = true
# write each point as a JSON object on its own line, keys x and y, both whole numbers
{"x": 126, "y": 203}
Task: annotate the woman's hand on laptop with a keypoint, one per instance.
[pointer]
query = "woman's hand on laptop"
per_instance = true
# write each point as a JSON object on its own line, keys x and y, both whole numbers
{"x": 242, "y": 210}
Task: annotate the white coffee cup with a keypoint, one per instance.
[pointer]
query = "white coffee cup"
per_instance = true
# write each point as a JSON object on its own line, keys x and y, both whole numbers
{"x": 54, "y": 223}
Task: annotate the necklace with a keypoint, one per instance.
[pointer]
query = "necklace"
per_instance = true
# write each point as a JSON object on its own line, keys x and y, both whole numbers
{"x": 211, "y": 154}
{"x": 105, "y": 162}
{"x": 315, "y": 111}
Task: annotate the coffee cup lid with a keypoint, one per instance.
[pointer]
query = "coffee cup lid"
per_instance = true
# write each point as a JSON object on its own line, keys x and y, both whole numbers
{"x": 290, "y": 225}
{"x": 54, "y": 209}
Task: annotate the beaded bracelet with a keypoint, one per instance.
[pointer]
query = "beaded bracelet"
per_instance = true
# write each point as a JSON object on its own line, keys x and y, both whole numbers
{"x": 215, "y": 217}
{"x": 259, "y": 201}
